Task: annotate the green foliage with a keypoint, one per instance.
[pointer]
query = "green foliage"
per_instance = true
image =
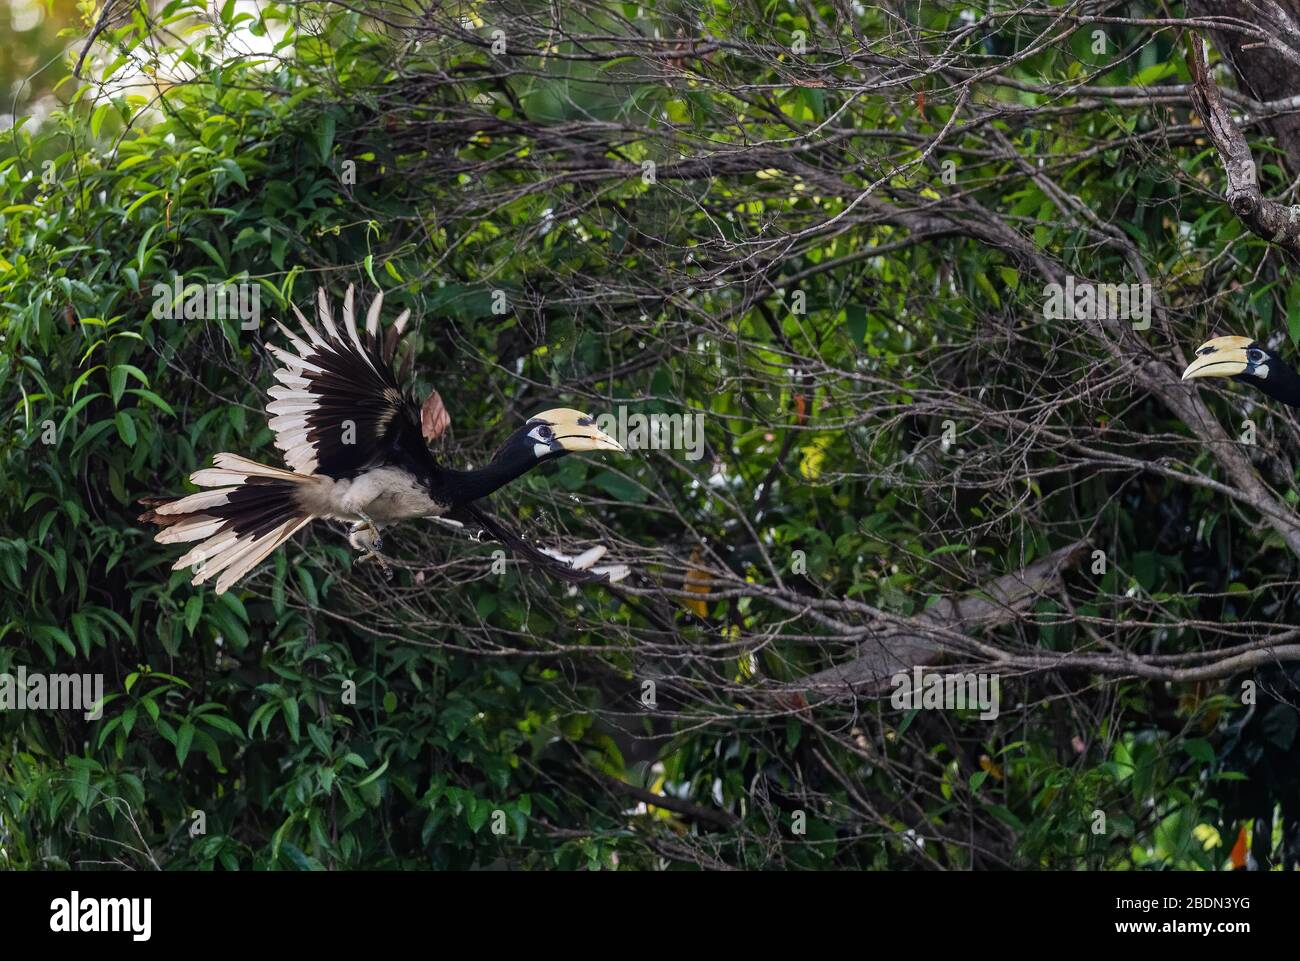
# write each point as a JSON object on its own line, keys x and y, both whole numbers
{"x": 315, "y": 719}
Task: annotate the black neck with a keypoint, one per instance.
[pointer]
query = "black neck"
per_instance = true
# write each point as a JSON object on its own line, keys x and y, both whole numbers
{"x": 1282, "y": 382}
{"x": 463, "y": 486}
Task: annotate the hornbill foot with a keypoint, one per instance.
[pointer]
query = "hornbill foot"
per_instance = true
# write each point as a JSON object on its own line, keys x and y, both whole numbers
{"x": 386, "y": 567}
{"x": 376, "y": 542}
{"x": 364, "y": 537}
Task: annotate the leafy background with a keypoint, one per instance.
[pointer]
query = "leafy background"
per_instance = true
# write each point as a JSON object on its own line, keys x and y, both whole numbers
{"x": 497, "y": 719}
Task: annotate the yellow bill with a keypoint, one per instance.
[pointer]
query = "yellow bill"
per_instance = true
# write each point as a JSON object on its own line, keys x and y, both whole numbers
{"x": 1220, "y": 357}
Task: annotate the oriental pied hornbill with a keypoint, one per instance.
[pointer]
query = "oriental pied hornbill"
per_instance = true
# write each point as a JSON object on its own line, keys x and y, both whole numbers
{"x": 356, "y": 449}
{"x": 1243, "y": 359}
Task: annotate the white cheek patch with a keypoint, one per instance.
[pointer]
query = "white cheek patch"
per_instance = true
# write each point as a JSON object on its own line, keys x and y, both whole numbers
{"x": 541, "y": 450}
{"x": 1261, "y": 372}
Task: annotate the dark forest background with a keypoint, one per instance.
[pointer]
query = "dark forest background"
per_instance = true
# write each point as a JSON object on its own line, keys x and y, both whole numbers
{"x": 829, "y": 228}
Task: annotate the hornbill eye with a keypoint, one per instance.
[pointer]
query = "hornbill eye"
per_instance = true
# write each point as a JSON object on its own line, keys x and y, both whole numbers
{"x": 1255, "y": 356}
{"x": 544, "y": 432}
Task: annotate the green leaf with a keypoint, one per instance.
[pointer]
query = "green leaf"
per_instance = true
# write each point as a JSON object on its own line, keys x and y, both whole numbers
{"x": 620, "y": 488}
{"x": 325, "y": 138}
{"x": 233, "y": 170}
{"x": 373, "y": 774}
{"x": 184, "y": 738}
{"x": 223, "y": 724}
{"x": 1200, "y": 749}
{"x": 1004, "y": 814}
{"x": 117, "y": 383}
{"x": 291, "y": 718}
{"x": 97, "y": 118}
{"x": 125, "y": 427}
{"x": 211, "y": 251}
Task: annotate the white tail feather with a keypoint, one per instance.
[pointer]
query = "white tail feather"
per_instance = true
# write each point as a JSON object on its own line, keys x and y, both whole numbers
{"x": 400, "y": 322}
{"x": 324, "y": 316}
{"x": 251, "y": 467}
{"x": 372, "y": 315}
{"x": 212, "y": 546}
{"x": 350, "y": 324}
{"x": 258, "y": 551}
{"x": 293, "y": 360}
{"x": 196, "y": 502}
{"x": 312, "y": 333}
{"x": 299, "y": 344}
{"x": 190, "y": 529}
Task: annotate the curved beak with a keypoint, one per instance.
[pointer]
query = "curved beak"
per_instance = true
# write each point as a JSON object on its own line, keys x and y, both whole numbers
{"x": 575, "y": 431}
{"x": 588, "y": 438}
{"x": 1220, "y": 357}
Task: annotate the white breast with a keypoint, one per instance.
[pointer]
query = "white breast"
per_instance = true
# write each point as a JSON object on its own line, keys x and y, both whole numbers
{"x": 385, "y": 495}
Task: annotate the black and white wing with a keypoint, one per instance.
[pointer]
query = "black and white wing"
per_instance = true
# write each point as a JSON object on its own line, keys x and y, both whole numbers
{"x": 338, "y": 409}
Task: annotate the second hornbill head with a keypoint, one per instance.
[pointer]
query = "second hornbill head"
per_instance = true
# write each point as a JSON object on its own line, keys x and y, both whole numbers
{"x": 1246, "y": 360}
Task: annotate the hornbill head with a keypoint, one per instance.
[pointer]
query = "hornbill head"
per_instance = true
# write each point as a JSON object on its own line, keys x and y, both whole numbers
{"x": 1238, "y": 357}
{"x": 562, "y": 430}
{"x": 1246, "y": 360}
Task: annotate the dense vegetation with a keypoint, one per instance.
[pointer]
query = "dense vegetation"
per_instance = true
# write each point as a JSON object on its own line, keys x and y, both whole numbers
{"x": 829, "y": 232}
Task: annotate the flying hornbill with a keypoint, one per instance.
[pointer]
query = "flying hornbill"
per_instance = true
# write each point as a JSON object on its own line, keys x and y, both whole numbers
{"x": 356, "y": 449}
{"x": 1243, "y": 359}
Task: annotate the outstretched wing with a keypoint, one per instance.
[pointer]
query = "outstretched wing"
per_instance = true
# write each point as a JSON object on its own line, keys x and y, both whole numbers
{"x": 338, "y": 409}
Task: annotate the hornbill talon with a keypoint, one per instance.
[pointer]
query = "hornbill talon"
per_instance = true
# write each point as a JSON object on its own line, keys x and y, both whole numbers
{"x": 382, "y": 561}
